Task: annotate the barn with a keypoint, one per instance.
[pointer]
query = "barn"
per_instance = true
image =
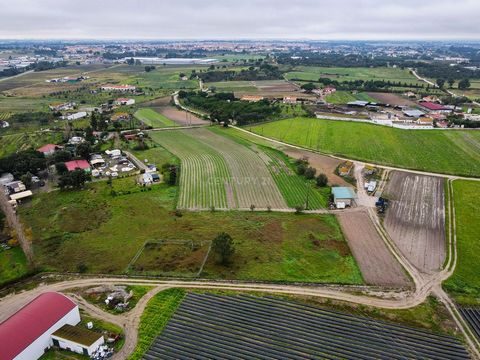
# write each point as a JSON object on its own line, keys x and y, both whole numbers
{"x": 343, "y": 196}
{"x": 28, "y": 333}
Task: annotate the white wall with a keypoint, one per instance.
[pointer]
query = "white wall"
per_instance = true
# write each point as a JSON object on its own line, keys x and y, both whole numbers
{"x": 37, "y": 348}
{"x": 78, "y": 348}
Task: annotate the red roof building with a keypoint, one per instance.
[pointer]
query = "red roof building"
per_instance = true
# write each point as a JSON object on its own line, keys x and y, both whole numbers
{"x": 77, "y": 164}
{"x": 27, "y": 333}
{"x": 48, "y": 149}
{"x": 433, "y": 106}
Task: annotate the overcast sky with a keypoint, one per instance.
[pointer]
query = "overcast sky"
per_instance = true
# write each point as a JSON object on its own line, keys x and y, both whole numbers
{"x": 240, "y": 19}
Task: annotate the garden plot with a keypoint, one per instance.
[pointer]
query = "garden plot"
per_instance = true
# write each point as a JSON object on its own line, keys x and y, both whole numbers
{"x": 416, "y": 218}
{"x": 231, "y": 327}
{"x": 378, "y": 265}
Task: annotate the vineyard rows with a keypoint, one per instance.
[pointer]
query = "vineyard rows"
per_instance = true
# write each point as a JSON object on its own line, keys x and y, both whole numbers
{"x": 207, "y": 326}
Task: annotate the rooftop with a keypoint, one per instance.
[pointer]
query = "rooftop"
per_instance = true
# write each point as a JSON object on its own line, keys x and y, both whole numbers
{"x": 77, "y": 335}
{"x": 432, "y": 106}
{"x": 77, "y": 164}
{"x": 343, "y": 192}
{"x": 47, "y": 148}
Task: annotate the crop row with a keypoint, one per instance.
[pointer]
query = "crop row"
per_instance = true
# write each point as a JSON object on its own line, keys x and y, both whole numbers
{"x": 230, "y": 327}
{"x": 472, "y": 316}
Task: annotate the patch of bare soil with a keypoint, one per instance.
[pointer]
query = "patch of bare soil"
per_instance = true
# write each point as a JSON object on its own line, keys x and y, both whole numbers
{"x": 378, "y": 265}
{"x": 392, "y": 99}
{"x": 323, "y": 164}
{"x": 416, "y": 218}
{"x": 179, "y": 116}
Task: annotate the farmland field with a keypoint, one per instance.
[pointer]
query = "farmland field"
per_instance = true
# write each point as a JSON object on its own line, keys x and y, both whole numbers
{"x": 23, "y": 141}
{"x": 392, "y": 99}
{"x": 343, "y": 97}
{"x": 102, "y": 232}
{"x": 13, "y": 264}
{"x": 312, "y": 73}
{"x": 416, "y": 218}
{"x": 267, "y": 88}
{"x": 236, "y": 173}
{"x": 450, "y": 152}
{"x": 242, "y": 326}
{"x": 464, "y": 284}
{"x": 378, "y": 265}
{"x": 152, "y": 118}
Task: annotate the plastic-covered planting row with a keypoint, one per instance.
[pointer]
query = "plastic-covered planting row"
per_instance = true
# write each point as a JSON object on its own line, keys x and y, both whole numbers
{"x": 231, "y": 327}
{"x": 472, "y": 316}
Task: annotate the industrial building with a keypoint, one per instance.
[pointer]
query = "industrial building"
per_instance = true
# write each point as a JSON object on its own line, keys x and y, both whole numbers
{"x": 47, "y": 320}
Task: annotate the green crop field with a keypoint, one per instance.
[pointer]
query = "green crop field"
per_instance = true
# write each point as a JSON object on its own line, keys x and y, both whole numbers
{"x": 313, "y": 73}
{"x": 465, "y": 282}
{"x": 15, "y": 142}
{"x": 450, "y": 152}
{"x": 101, "y": 232}
{"x": 152, "y": 118}
{"x": 234, "y": 86}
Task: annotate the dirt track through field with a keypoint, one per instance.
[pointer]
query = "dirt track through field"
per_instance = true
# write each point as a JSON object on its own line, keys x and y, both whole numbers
{"x": 378, "y": 265}
{"x": 416, "y": 218}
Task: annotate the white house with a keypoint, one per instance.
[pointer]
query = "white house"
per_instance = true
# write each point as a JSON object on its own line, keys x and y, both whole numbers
{"x": 27, "y": 334}
{"x": 121, "y": 88}
{"x": 75, "y": 116}
{"x": 124, "y": 101}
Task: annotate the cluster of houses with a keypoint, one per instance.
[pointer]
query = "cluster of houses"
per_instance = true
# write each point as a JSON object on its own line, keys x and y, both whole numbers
{"x": 51, "y": 320}
{"x": 16, "y": 190}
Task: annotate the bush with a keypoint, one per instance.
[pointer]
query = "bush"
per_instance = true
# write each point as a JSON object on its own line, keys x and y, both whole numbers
{"x": 322, "y": 180}
{"x": 310, "y": 173}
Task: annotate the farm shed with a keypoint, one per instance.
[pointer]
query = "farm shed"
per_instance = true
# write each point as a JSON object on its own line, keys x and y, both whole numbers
{"x": 21, "y": 195}
{"x": 124, "y": 101}
{"x": 75, "y": 116}
{"x": 413, "y": 113}
{"x": 343, "y": 196}
{"x": 430, "y": 106}
{"x": 358, "y": 103}
{"x": 78, "y": 164}
{"x": 28, "y": 333}
{"x": 77, "y": 339}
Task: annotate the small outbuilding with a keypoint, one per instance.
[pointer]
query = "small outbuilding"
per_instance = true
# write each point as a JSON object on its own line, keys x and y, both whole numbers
{"x": 343, "y": 196}
{"x": 78, "y": 164}
{"x": 77, "y": 339}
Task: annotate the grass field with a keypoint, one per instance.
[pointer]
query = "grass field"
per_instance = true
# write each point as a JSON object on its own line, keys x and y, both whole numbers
{"x": 450, "y": 152}
{"x": 13, "y": 264}
{"x": 312, "y": 73}
{"x": 102, "y": 233}
{"x": 152, "y": 118}
{"x": 343, "y": 97}
{"x": 465, "y": 282}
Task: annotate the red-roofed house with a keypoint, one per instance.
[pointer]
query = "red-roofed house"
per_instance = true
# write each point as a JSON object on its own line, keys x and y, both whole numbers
{"x": 434, "y": 107}
{"x": 49, "y": 149}
{"x": 27, "y": 334}
{"x": 78, "y": 164}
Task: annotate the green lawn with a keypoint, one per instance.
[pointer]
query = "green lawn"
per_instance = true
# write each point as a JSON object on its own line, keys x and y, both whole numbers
{"x": 465, "y": 282}
{"x": 157, "y": 313}
{"x": 102, "y": 233}
{"x": 450, "y": 152}
{"x": 152, "y": 118}
{"x": 13, "y": 264}
{"x": 343, "y": 97}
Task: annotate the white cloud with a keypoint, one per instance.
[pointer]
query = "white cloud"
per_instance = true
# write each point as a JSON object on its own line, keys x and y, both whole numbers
{"x": 233, "y": 19}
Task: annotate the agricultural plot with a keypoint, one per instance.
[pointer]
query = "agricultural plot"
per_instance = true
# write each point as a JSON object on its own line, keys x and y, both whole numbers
{"x": 451, "y": 152}
{"x": 392, "y": 99}
{"x": 416, "y": 218}
{"x": 343, "y": 97}
{"x": 464, "y": 284}
{"x": 205, "y": 176}
{"x": 152, "y": 118}
{"x": 171, "y": 258}
{"x": 472, "y": 317}
{"x": 15, "y": 142}
{"x": 231, "y": 327}
{"x": 313, "y": 73}
{"x": 378, "y": 265}
{"x": 266, "y": 88}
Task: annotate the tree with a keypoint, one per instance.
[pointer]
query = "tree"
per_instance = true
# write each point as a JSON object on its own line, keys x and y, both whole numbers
{"x": 223, "y": 246}
{"x": 62, "y": 156}
{"x": 310, "y": 172}
{"x": 451, "y": 82}
{"x": 93, "y": 121}
{"x": 321, "y": 180}
{"x": 84, "y": 150}
{"x": 301, "y": 168}
{"x": 74, "y": 179}
{"x": 308, "y": 87}
{"x": 440, "y": 82}
{"x": 27, "y": 179}
{"x": 464, "y": 84}
{"x": 61, "y": 168}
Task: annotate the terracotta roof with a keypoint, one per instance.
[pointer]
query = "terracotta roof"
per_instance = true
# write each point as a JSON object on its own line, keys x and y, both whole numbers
{"x": 47, "y": 148}
{"x": 432, "y": 106}
{"x": 33, "y": 320}
{"x": 77, "y": 164}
